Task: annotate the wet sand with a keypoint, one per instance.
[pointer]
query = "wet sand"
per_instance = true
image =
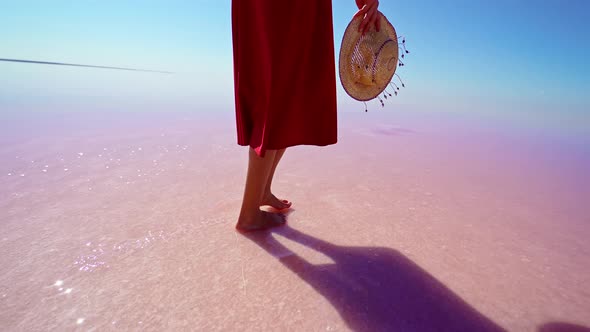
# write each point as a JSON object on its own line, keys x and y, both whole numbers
{"x": 412, "y": 222}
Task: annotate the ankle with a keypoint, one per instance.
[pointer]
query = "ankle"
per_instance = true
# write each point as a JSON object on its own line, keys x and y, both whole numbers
{"x": 249, "y": 215}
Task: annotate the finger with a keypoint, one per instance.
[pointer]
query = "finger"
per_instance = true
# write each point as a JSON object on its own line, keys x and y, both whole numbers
{"x": 370, "y": 17}
{"x": 360, "y": 3}
{"x": 378, "y": 21}
{"x": 361, "y": 13}
{"x": 367, "y": 9}
{"x": 373, "y": 19}
{"x": 369, "y": 20}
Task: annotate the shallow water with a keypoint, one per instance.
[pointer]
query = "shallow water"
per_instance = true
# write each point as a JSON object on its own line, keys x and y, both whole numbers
{"x": 124, "y": 221}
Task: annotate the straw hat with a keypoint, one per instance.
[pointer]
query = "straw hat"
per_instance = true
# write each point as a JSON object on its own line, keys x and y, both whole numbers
{"x": 367, "y": 63}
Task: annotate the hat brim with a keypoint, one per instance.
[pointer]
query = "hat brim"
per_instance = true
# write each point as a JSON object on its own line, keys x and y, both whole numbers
{"x": 358, "y": 91}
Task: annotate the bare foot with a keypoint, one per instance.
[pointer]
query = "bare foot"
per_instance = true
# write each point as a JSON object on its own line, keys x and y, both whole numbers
{"x": 263, "y": 220}
{"x": 272, "y": 200}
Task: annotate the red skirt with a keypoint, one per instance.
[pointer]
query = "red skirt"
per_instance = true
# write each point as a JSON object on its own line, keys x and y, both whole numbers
{"x": 284, "y": 73}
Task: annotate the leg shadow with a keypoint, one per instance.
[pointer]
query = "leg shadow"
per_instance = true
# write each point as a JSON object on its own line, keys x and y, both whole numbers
{"x": 562, "y": 327}
{"x": 377, "y": 289}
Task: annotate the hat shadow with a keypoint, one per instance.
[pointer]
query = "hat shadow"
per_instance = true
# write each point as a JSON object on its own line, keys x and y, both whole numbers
{"x": 376, "y": 288}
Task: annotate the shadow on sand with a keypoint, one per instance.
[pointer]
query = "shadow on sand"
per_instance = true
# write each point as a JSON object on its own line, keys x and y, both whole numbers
{"x": 380, "y": 289}
{"x": 377, "y": 289}
{"x": 562, "y": 327}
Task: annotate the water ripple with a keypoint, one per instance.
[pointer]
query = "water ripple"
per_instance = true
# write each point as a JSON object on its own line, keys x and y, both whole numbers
{"x": 99, "y": 255}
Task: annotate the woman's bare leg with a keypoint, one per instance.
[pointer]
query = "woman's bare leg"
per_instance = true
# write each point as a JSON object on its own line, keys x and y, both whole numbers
{"x": 251, "y": 217}
{"x": 268, "y": 197}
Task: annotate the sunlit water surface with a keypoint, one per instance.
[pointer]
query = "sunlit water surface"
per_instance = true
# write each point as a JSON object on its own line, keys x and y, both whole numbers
{"x": 124, "y": 221}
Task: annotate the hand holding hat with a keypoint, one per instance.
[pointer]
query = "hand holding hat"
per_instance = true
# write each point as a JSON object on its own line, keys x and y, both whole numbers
{"x": 368, "y": 11}
{"x": 370, "y": 54}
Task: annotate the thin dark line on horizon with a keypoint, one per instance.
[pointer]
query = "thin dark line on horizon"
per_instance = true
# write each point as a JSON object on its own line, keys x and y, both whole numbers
{"x": 79, "y": 65}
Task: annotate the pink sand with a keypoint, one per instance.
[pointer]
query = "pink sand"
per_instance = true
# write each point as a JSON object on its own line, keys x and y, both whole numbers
{"x": 124, "y": 221}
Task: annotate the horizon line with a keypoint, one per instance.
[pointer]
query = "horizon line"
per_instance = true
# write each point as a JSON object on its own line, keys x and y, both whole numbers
{"x": 80, "y": 65}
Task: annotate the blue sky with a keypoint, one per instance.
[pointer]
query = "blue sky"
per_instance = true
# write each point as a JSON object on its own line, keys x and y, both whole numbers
{"x": 519, "y": 58}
